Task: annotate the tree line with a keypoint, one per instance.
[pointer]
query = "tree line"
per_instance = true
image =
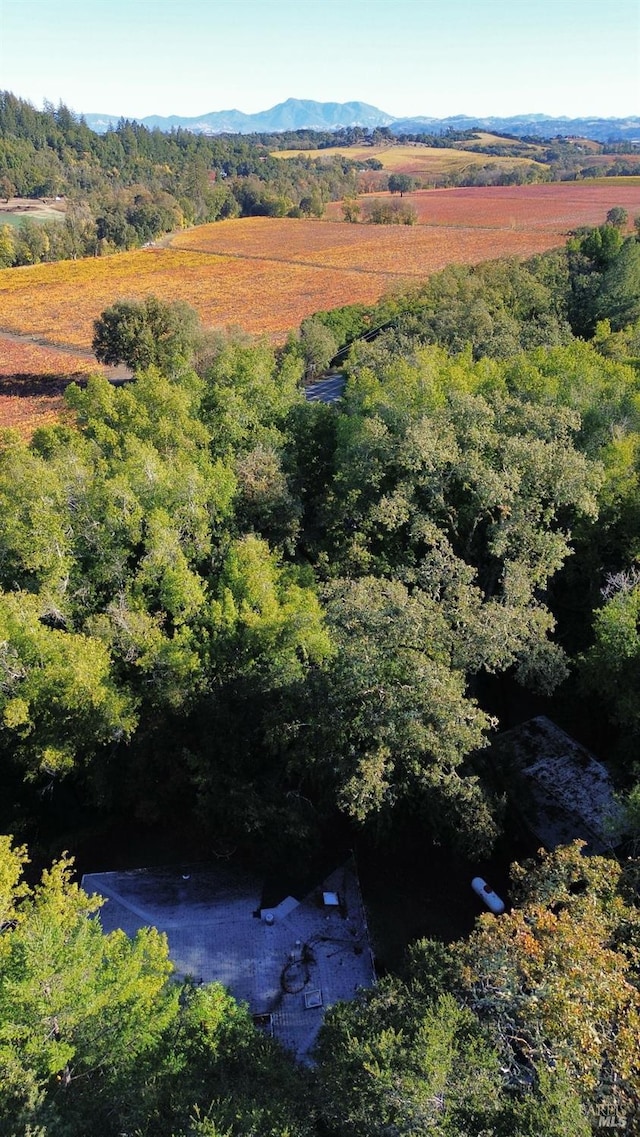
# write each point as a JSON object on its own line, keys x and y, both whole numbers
{"x": 130, "y": 185}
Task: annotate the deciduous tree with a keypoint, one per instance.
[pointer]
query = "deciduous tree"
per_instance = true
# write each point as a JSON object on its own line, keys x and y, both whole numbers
{"x": 140, "y": 333}
{"x": 557, "y": 978}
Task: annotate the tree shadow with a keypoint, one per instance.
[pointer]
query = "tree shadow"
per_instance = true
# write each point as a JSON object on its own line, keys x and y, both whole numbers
{"x": 51, "y": 384}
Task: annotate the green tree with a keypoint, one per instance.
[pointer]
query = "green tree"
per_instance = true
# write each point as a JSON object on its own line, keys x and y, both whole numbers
{"x": 7, "y": 188}
{"x": 318, "y": 346}
{"x": 249, "y": 391}
{"x": 78, "y": 1009}
{"x": 400, "y": 183}
{"x": 392, "y": 1063}
{"x": 267, "y": 619}
{"x": 410, "y": 1057}
{"x": 618, "y": 296}
{"x": 58, "y": 699}
{"x": 7, "y": 246}
{"x": 611, "y": 666}
{"x": 391, "y": 721}
{"x": 140, "y": 333}
{"x": 430, "y": 474}
{"x": 265, "y": 503}
{"x": 351, "y": 209}
{"x": 617, "y": 216}
{"x": 96, "y": 1036}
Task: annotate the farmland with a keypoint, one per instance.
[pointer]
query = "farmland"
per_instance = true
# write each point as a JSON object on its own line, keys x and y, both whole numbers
{"x": 413, "y": 158}
{"x": 29, "y": 409}
{"x": 23, "y": 357}
{"x": 60, "y": 301}
{"x": 32, "y": 380}
{"x": 553, "y": 208}
{"x": 266, "y": 274}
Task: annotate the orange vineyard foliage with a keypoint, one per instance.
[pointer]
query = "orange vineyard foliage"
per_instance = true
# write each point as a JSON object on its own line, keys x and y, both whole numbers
{"x": 399, "y": 252}
{"x": 32, "y": 378}
{"x": 266, "y": 274}
{"x": 551, "y": 208}
{"x": 25, "y": 413}
{"x": 24, "y": 358}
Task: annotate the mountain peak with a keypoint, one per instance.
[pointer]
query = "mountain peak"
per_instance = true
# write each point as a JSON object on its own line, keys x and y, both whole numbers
{"x": 308, "y": 114}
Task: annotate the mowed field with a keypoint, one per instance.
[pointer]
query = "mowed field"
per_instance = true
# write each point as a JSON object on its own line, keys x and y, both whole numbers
{"x": 414, "y": 158}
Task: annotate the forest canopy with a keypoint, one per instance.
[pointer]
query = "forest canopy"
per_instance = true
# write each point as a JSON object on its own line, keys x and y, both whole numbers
{"x": 259, "y": 621}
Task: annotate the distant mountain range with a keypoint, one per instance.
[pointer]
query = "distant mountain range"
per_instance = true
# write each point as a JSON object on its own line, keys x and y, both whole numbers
{"x": 294, "y": 114}
{"x": 301, "y": 114}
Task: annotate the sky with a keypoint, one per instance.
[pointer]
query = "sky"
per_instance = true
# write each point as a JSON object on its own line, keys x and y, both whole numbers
{"x": 406, "y": 57}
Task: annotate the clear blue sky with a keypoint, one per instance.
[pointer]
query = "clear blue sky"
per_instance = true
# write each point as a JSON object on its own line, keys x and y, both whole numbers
{"x": 431, "y": 57}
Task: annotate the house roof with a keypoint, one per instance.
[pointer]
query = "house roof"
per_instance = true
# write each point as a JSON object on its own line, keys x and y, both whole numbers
{"x": 571, "y": 794}
{"x": 288, "y": 962}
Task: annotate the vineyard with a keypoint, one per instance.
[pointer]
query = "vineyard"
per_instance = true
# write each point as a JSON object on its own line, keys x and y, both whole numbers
{"x": 265, "y": 275}
{"x": 397, "y": 252}
{"x": 32, "y": 379}
{"x": 20, "y": 357}
{"x": 26, "y": 412}
{"x": 553, "y": 208}
{"x": 262, "y": 274}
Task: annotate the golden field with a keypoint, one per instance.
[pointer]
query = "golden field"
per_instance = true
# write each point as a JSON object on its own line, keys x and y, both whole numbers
{"x": 412, "y": 158}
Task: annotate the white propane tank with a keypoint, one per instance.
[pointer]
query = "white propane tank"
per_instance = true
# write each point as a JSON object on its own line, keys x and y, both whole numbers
{"x": 486, "y": 893}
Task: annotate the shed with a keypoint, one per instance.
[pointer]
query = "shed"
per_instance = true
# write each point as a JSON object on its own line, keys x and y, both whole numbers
{"x": 570, "y": 794}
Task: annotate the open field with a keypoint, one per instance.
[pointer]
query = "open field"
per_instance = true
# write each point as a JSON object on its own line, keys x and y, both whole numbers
{"x": 30, "y": 408}
{"x": 413, "y": 158}
{"x": 24, "y": 357}
{"x": 59, "y": 302}
{"x": 32, "y": 379}
{"x": 484, "y": 138}
{"x": 396, "y": 252}
{"x": 18, "y": 209}
{"x": 554, "y": 208}
{"x": 618, "y": 180}
{"x": 608, "y": 159}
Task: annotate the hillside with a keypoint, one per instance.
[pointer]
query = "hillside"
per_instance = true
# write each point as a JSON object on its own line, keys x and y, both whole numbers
{"x": 265, "y": 275}
{"x": 246, "y": 629}
{"x": 418, "y": 160}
